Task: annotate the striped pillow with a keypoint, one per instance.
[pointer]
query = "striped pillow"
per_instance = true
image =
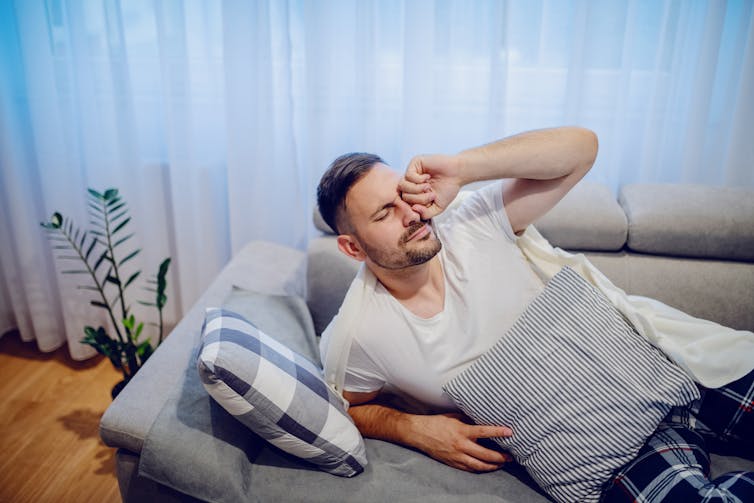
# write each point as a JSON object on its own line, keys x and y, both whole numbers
{"x": 278, "y": 394}
{"x": 581, "y": 389}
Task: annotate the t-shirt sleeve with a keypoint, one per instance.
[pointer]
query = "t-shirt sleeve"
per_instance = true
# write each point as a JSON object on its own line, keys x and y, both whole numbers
{"x": 362, "y": 375}
{"x": 482, "y": 212}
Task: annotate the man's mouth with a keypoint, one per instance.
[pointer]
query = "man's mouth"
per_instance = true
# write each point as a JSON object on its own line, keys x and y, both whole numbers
{"x": 416, "y": 231}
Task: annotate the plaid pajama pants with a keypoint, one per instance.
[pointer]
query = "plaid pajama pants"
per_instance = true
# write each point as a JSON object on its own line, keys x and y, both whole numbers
{"x": 674, "y": 466}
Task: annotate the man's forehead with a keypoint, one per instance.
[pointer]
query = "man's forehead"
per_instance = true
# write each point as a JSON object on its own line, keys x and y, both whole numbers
{"x": 378, "y": 187}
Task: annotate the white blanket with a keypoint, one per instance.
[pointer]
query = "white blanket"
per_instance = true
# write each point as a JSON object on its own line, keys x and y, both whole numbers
{"x": 712, "y": 354}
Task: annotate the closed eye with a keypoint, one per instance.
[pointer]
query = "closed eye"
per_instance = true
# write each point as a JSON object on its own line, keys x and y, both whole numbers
{"x": 384, "y": 212}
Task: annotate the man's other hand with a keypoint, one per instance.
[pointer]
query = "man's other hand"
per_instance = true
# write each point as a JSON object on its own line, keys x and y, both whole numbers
{"x": 430, "y": 183}
{"x": 447, "y": 438}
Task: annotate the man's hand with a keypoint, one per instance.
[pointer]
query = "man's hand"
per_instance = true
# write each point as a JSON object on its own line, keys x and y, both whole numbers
{"x": 444, "y": 437}
{"x": 431, "y": 183}
{"x": 448, "y": 439}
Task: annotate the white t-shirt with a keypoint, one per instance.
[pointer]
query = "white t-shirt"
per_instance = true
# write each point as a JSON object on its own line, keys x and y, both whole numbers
{"x": 488, "y": 284}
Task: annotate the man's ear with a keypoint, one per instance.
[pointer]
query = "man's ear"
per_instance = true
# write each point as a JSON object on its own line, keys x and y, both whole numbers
{"x": 349, "y": 246}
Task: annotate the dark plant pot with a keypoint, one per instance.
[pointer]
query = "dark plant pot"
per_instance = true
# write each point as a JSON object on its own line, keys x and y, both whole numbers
{"x": 118, "y": 388}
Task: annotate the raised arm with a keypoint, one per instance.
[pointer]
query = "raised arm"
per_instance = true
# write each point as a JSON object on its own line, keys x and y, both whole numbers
{"x": 542, "y": 166}
{"x": 444, "y": 437}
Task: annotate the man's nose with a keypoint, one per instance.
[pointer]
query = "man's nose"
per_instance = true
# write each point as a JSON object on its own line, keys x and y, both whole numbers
{"x": 409, "y": 215}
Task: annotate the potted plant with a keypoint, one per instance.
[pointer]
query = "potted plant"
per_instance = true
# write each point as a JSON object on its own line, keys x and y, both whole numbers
{"x": 101, "y": 252}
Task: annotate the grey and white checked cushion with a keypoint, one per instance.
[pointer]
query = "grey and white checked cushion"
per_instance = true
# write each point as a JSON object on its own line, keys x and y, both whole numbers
{"x": 581, "y": 389}
{"x": 277, "y": 393}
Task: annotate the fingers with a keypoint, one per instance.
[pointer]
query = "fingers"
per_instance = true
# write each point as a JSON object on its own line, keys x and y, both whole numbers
{"x": 406, "y": 186}
{"x": 484, "y": 431}
{"x": 472, "y": 464}
{"x": 427, "y": 212}
{"x": 415, "y": 173}
{"x": 424, "y": 199}
{"x": 486, "y": 455}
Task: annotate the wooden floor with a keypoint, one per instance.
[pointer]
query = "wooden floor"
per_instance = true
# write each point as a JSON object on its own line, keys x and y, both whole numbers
{"x": 50, "y": 448}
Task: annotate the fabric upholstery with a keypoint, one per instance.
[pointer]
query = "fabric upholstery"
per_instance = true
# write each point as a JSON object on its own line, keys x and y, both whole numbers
{"x": 278, "y": 394}
{"x": 715, "y": 290}
{"x": 265, "y": 267}
{"x": 569, "y": 379}
{"x": 328, "y": 275}
{"x": 589, "y": 202}
{"x": 690, "y": 220}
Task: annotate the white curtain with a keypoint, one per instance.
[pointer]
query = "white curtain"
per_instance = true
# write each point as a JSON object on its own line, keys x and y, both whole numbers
{"x": 216, "y": 119}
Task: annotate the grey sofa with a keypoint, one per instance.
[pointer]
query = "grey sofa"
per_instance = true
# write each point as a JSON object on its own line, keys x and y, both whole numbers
{"x": 689, "y": 246}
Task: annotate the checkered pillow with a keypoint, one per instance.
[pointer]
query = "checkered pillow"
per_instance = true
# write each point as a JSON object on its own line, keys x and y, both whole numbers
{"x": 580, "y": 388}
{"x": 278, "y": 394}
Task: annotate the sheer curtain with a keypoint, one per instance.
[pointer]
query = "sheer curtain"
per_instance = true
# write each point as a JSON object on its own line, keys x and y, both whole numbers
{"x": 216, "y": 119}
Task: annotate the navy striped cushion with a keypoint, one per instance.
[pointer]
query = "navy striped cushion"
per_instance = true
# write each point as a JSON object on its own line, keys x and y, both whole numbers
{"x": 581, "y": 389}
{"x": 278, "y": 394}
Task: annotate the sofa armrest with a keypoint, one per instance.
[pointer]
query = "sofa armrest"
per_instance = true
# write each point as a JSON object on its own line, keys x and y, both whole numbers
{"x": 260, "y": 266}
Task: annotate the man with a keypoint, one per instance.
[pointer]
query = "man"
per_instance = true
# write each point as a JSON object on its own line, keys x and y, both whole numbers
{"x": 429, "y": 313}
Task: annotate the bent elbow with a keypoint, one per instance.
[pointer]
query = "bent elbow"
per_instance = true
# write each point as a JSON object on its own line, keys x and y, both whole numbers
{"x": 589, "y": 147}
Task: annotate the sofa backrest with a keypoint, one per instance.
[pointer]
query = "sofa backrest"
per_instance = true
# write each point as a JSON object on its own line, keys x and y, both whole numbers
{"x": 689, "y": 246}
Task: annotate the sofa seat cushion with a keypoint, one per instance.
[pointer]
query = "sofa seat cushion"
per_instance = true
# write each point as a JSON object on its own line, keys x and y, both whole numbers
{"x": 579, "y": 387}
{"x": 690, "y": 220}
{"x": 277, "y": 393}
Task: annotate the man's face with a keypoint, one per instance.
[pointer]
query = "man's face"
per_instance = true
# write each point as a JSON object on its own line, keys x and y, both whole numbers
{"x": 389, "y": 232}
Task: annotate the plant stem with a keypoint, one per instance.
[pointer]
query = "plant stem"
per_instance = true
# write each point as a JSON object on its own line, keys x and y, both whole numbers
{"x": 100, "y": 289}
{"x": 160, "y": 311}
{"x": 123, "y": 309}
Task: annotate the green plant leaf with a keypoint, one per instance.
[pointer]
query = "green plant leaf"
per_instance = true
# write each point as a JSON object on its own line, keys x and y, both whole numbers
{"x": 144, "y": 350}
{"x": 91, "y": 247}
{"x": 56, "y": 220}
{"x": 116, "y": 208}
{"x": 128, "y": 322}
{"x": 121, "y": 225}
{"x": 96, "y": 194}
{"x": 96, "y": 207}
{"x": 101, "y": 259}
{"x": 110, "y": 194}
{"x": 112, "y": 279}
{"x": 87, "y": 287}
{"x": 98, "y": 224}
{"x": 162, "y": 283}
{"x": 97, "y": 220}
{"x": 131, "y": 279}
{"x": 139, "y": 328}
{"x": 104, "y": 278}
{"x": 129, "y": 257}
{"x": 74, "y": 271}
{"x": 99, "y": 304}
{"x": 122, "y": 240}
{"x": 150, "y": 304}
{"x": 114, "y": 201}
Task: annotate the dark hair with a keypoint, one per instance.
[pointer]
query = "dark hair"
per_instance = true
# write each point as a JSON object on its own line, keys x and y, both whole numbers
{"x": 342, "y": 174}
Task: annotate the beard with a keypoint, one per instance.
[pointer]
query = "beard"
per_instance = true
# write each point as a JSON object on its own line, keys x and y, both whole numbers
{"x": 407, "y": 253}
